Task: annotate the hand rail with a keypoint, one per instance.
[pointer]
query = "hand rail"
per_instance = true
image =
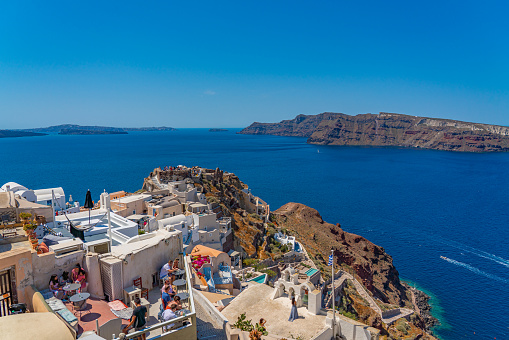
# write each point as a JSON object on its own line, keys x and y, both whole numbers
{"x": 180, "y": 318}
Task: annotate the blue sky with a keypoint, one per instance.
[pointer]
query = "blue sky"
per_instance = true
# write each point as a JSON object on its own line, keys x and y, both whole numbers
{"x": 227, "y": 64}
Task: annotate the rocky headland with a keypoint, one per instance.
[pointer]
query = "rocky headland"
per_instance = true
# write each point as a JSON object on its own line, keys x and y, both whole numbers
{"x": 389, "y": 129}
{"x": 367, "y": 262}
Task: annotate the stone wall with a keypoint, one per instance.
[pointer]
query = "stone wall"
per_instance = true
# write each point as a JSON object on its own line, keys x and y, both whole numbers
{"x": 20, "y": 260}
{"x": 45, "y": 265}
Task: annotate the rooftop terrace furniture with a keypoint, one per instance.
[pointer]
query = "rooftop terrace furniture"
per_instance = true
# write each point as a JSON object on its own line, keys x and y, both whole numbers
{"x": 138, "y": 284}
{"x": 130, "y": 293}
{"x": 106, "y": 330}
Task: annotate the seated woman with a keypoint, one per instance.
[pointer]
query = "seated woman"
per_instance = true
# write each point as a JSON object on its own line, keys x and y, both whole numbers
{"x": 177, "y": 302}
{"x": 75, "y": 271}
{"x": 81, "y": 279}
{"x": 64, "y": 279}
{"x": 54, "y": 287}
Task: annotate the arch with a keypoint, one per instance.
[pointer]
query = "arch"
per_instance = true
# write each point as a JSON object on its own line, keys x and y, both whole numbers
{"x": 291, "y": 292}
{"x": 286, "y": 275}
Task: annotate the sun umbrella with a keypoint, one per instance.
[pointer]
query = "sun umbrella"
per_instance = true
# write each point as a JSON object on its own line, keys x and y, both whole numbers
{"x": 88, "y": 204}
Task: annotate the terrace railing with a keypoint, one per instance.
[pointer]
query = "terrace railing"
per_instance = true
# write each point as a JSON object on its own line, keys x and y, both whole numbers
{"x": 187, "y": 331}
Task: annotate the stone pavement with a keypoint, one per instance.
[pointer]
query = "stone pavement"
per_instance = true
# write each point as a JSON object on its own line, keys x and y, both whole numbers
{"x": 205, "y": 327}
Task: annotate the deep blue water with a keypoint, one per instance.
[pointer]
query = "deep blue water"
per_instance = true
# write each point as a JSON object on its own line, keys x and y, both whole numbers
{"x": 417, "y": 204}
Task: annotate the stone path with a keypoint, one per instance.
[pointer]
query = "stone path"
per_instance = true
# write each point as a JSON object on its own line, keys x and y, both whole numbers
{"x": 205, "y": 327}
{"x": 366, "y": 296}
{"x": 414, "y": 302}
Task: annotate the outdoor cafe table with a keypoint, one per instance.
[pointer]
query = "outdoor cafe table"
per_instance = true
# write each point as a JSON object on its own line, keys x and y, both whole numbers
{"x": 183, "y": 296}
{"x": 72, "y": 287}
{"x": 76, "y": 299}
{"x": 179, "y": 273}
{"x": 179, "y": 283}
{"x": 183, "y": 312}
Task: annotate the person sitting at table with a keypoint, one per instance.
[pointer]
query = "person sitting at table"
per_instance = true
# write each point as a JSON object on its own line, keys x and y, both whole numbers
{"x": 81, "y": 279}
{"x": 168, "y": 269}
{"x": 169, "y": 314}
{"x": 75, "y": 271}
{"x": 169, "y": 286}
{"x": 166, "y": 296}
{"x": 177, "y": 302}
{"x": 54, "y": 287}
{"x": 64, "y": 279}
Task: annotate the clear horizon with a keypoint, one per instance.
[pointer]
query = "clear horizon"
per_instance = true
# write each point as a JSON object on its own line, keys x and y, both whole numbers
{"x": 208, "y": 65}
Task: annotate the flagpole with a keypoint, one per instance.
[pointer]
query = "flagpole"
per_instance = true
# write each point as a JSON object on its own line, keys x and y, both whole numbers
{"x": 333, "y": 298}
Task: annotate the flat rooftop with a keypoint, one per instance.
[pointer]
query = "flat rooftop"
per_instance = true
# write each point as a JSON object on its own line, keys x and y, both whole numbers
{"x": 256, "y": 303}
{"x": 131, "y": 198}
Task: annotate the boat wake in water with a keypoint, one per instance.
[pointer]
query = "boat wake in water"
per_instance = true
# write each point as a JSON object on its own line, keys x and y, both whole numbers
{"x": 475, "y": 251}
{"x": 474, "y": 269}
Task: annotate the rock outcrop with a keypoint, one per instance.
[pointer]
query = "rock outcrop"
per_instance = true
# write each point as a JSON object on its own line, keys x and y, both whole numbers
{"x": 371, "y": 264}
{"x": 390, "y": 129}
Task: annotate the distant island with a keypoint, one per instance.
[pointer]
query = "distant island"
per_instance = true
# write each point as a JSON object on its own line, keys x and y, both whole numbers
{"x": 90, "y": 132}
{"x": 73, "y": 129}
{"x": 14, "y": 133}
{"x": 218, "y": 130}
{"x": 58, "y": 128}
{"x": 389, "y": 129}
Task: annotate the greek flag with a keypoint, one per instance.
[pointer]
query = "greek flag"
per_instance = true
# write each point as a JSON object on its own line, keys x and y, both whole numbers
{"x": 330, "y": 260}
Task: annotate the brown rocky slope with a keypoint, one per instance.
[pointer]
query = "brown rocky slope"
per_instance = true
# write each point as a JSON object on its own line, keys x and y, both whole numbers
{"x": 370, "y": 263}
{"x": 389, "y": 129}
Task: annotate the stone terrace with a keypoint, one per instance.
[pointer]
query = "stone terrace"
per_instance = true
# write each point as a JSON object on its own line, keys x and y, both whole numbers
{"x": 256, "y": 303}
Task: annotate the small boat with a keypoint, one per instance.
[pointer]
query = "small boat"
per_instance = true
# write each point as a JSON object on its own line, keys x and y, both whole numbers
{"x": 443, "y": 257}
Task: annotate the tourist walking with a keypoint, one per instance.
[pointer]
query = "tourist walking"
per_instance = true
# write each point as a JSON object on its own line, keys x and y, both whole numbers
{"x": 138, "y": 319}
{"x": 293, "y": 314}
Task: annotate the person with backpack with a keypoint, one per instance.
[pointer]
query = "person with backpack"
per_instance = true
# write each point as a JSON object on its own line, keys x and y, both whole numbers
{"x": 138, "y": 319}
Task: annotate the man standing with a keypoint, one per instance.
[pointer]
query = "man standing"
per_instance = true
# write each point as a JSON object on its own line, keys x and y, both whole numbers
{"x": 138, "y": 320}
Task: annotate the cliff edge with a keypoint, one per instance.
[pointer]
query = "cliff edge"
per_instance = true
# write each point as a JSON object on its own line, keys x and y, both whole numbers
{"x": 389, "y": 129}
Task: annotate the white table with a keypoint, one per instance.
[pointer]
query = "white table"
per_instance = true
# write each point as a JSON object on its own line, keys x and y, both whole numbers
{"x": 130, "y": 293}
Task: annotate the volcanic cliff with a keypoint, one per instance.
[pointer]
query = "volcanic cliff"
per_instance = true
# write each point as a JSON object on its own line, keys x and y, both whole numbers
{"x": 389, "y": 129}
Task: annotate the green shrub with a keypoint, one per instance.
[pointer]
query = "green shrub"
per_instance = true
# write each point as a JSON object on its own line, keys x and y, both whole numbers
{"x": 349, "y": 315}
{"x": 250, "y": 262}
{"x": 402, "y": 329}
{"x": 243, "y": 324}
{"x": 259, "y": 267}
{"x": 255, "y": 216}
{"x": 270, "y": 273}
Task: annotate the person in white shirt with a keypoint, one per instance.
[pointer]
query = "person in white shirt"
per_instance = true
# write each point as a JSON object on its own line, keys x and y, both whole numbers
{"x": 168, "y": 269}
{"x": 165, "y": 270}
{"x": 169, "y": 314}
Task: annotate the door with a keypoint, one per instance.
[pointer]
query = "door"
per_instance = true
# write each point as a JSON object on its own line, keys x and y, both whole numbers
{"x": 6, "y": 296}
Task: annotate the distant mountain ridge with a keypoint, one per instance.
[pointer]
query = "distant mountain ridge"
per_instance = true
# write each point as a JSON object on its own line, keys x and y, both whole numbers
{"x": 58, "y": 128}
{"x": 389, "y": 129}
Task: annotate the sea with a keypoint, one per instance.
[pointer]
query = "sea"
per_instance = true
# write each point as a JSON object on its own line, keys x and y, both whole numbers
{"x": 442, "y": 216}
